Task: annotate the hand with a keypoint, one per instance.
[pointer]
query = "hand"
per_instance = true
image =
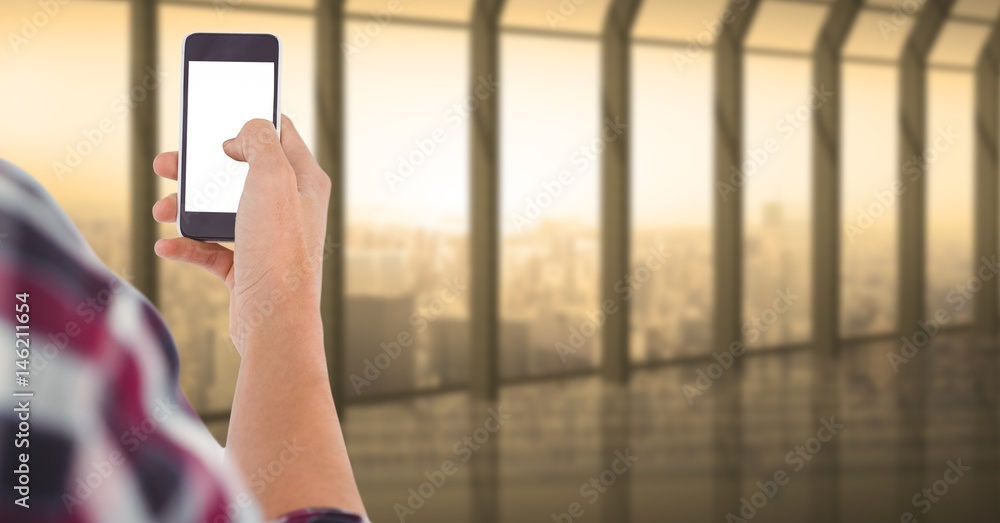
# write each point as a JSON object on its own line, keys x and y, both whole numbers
{"x": 276, "y": 270}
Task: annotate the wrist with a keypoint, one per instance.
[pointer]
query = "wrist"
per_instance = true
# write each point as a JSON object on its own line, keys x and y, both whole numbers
{"x": 279, "y": 326}
{"x": 286, "y": 348}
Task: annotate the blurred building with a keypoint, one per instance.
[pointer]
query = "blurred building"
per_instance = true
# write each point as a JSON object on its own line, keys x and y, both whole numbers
{"x": 449, "y": 347}
{"x": 374, "y": 351}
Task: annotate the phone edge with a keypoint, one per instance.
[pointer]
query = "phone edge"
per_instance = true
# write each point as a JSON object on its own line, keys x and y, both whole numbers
{"x": 180, "y": 138}
{"x": 180, "y": 128}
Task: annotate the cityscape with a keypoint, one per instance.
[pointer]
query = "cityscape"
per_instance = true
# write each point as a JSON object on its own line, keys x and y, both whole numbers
{"x": 414, "y": 282}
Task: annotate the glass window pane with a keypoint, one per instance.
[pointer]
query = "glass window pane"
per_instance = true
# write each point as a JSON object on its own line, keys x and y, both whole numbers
{"x": 950, "y": 207}
{"x": 193, "y": 302}
{"x": 787, "y": 26}
{"x": 550, "y": 166}
{"x": 558, "y": 15}
{"x": 223, "y": 7}
{"x": 672, "y": 202}
{"x": 366, "y": 11}
{"x": 877, "y": 35}
{"x": 66, "y": 88}
{"x": 986, "y": 9}
{"x": 777, "y": 273}
{"x": 959, "y": 43}
{"x": 407, "y": 214}
{"x": 869, "y": 204}
{"x": 693, "y": 23}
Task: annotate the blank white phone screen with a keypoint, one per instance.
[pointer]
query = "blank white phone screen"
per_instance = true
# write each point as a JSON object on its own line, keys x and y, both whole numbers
{"x": 222, "y": 97}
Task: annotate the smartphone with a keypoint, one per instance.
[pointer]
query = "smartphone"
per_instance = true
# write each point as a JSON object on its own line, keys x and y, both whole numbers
{"x": 227, "y": 80}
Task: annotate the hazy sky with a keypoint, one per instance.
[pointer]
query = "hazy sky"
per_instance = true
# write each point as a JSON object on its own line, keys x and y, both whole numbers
{"x": 407, "y": 85}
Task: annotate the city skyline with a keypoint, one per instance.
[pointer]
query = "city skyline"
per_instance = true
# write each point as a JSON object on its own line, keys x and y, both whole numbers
{"x": 549, "y": 287}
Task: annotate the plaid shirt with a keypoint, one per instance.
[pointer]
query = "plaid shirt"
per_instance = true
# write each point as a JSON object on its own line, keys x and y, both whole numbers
{"x": 94, "y": 426}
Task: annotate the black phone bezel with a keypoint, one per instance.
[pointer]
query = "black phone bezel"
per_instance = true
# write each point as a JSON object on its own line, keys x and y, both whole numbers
{"x": 219, "y": 47}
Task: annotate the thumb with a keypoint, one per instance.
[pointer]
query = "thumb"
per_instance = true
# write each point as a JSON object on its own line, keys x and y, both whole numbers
{"x": 258, "y": 144}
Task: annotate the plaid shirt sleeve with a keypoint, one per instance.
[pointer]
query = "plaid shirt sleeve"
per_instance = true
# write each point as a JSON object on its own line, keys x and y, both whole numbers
{"x": 93, "y": 423}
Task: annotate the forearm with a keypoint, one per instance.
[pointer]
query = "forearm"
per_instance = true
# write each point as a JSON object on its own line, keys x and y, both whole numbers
{"x": 283, "y": 412}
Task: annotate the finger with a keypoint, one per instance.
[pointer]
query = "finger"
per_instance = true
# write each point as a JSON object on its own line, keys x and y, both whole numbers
{"x": 165, "y": 165}
{"x": 258, "y": 145}
{"x": 212, "y": 257}
{"x": 307, "y": 171}
{"x": 165, "y": 210}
